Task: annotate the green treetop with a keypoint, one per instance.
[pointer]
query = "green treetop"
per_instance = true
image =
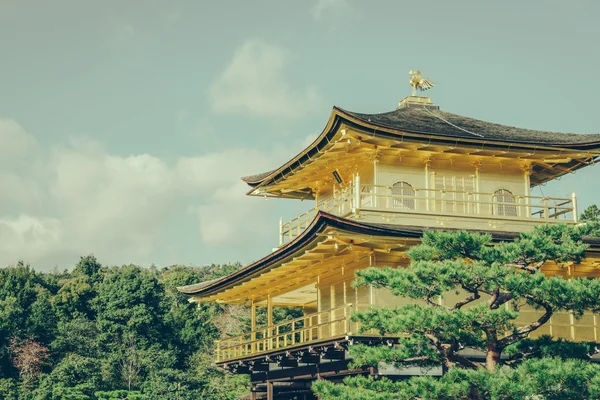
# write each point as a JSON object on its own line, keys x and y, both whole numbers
{"x": 591, "y": 214}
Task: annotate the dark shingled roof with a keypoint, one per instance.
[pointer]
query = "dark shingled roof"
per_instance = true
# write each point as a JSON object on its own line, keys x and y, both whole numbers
{"x": 257, "y": 177}
{"x": 423, "y": 120}
{"x": 430, "y": 121}
{"x": 197, "y": 286}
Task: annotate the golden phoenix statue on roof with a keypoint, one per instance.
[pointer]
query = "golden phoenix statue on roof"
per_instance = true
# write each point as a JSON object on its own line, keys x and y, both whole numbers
{"x": 417, "y": 82}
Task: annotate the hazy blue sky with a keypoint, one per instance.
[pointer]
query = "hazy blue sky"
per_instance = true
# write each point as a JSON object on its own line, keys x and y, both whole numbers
{"x": 125, "y": 125}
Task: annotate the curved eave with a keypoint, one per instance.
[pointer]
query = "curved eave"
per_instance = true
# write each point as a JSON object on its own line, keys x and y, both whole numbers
{"x": 305, "y": 155}
{"x": 318, "y": 225}
{"x": 321, "y": 223}
{"x": 340, "y": 116}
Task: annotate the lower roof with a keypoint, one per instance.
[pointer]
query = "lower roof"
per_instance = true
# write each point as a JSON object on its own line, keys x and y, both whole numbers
{"x": 320, "y": 224}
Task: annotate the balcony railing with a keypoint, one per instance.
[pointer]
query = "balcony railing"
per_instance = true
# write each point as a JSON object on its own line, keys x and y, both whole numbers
{"x": 336, "y": 324}
{"x": 308, "y": 329}
{"x": 341, "y": 204}
{"x": 466, "y": 203}
{"x": 349, "y": 202}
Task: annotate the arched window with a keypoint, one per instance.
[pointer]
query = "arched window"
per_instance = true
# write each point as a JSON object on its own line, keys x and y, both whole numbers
{"x": 504, "y": 201}
{"x": 403, "y": 196}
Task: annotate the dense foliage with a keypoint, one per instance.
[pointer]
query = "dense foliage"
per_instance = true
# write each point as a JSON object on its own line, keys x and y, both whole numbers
{"x": 591, "y": 214}
{"x": 490, "y": 284}
{"x": 534, "y": 379}
{"x": 112, "y": 333}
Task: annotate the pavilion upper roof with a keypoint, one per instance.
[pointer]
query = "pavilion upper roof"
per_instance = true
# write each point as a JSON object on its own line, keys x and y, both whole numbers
{"x": 415, "y": 124}
{"x": 442, "y": 123}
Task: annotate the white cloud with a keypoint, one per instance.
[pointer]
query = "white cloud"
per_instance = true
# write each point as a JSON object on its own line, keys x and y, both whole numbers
{"x": 30, "y": 234}
{"x": 82, "y": 199}
{"x": 323, "y": 9}
{"x": 109, "y": 199}
{"x": 227, "y": 215}
{"x": 254, "y": 83}
{"x": 230, "y": 218}
{"x": 14, "y": 141}
{"x": 209, "y": 171}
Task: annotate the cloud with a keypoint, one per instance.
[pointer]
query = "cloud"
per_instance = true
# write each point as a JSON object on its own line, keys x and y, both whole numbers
{"x": 112, "y": 201}
{"x": 226, "y": 215}
{"x": 254, "y": 84}
{"x": 327, "y": 9}
{"x": 230, "y": 218}
{"x": 78, "y": 198}
{"x": 15, "y": 141}
{"x": 28, "y": 233}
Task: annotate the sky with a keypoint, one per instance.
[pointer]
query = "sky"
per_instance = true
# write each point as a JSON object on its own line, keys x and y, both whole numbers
{"x": 126, "y": 125}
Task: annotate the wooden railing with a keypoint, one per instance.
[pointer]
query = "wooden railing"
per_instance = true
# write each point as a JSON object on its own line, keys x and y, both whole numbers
{"x": 335, "y": 323}
{"x": 349, "y": 201}
{"x": 304, "y": 330}
{"x": 340, "y": 204}
{"x": 467, "y": 203}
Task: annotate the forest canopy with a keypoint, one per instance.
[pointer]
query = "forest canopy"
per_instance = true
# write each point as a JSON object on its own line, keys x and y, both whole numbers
{"x": 100, "y": 332}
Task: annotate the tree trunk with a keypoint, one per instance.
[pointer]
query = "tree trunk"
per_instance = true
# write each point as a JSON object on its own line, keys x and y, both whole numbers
{"x": 447, "y": 364}
{"x": 492, "y": 356}
{"x": 474, "y": 394}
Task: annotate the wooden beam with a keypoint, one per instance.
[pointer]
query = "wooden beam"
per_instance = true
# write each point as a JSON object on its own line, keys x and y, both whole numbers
{"x": 253, "y": 312}
{"x": 269, "y": 310}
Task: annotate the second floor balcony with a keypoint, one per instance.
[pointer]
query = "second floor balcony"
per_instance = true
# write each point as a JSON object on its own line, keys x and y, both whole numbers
{"x": 311, "y": 328}
{"x": 407, "y": 205}
{"x": 336, "y": 324}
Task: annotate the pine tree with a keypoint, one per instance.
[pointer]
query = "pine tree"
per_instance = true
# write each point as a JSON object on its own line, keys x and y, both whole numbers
{"x": 493, "y": 282}
{"x": 591, "y": 214}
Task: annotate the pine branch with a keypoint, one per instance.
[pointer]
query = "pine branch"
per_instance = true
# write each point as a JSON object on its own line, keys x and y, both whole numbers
{"x": 527, "y": 329}
{"x": 466, "y": 301}
{"x": 416, "y": 359}
{"x": 502, "y": 299}
{"x": 465, "y": 362}
{"x": 532, "y": 269}
{"x": 427, "y": 300}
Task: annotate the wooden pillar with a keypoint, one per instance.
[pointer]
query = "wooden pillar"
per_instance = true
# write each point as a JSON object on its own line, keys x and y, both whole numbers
{"x": 357, "y": 198}
{"x": 375, "y": 159}
{"x": 280, "y": 232}
{"x": 253, "y": 321}
{"x": 527, "y": 187}
{"x": 477, "y": 188}
{"x": 270, "y": 320}
{"x": 427, "y": 179}
{"x": 574, "y": 205}
{"x": 319, "y": 308}
{"x": 319, "y": 302}
{"x": 253, "y": 326}
{"x": 270, "y": 391}
{"x": 527, "y": 181}
{"x": 269, "y": 311}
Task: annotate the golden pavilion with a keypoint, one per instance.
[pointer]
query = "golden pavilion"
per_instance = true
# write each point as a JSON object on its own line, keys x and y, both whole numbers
{"x": 377, "y": 182}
